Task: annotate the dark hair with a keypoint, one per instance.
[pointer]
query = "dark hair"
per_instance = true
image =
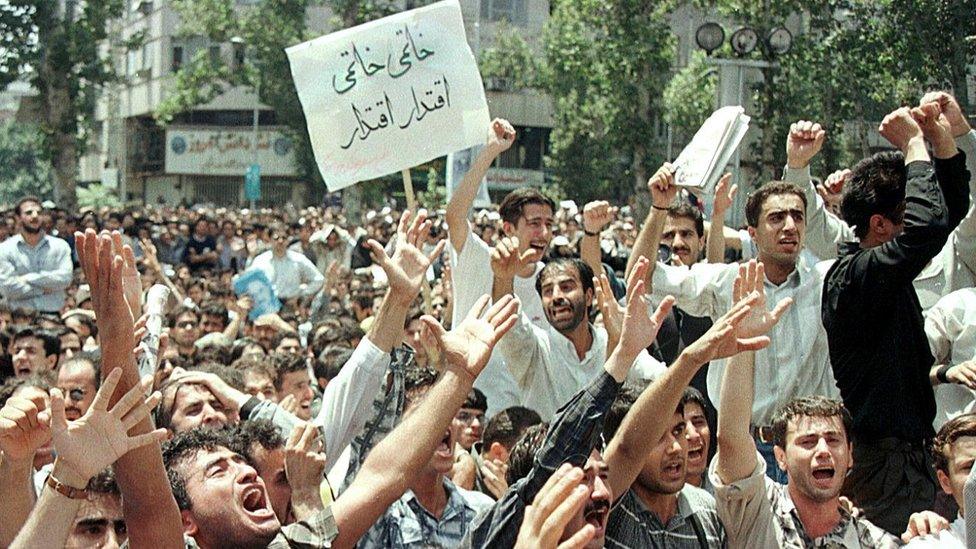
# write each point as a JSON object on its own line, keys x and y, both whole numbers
{"x": 51, "y": 342}
{"x": 876, "y": 186}
{"x": 103, "y": 484}
{"x": 88, "y": 321}
{"x": 184, "y": 447}
{"x": 331, "y": 361}
{"x": 285, "y": 363}
{"x": 240, "y": 345}
{"x": 213, "y": 352}
{"x": 564, "y": 263}
{"x": 176, "y": 313}
{"x": 810, "y": 406}
{"x": 953, "y": 430}
{"x": 691, "y": 394}
{"x": 10, "y": 386}
{"x": 514, "y": 203}
{"x": 29, "y": 316}
{"x": 215, "y": 308}
{"x": 26, "y": 199}
{"x": 626, "y": 398}
{"x": 522, "y": 456}
{"x": 94, "y": 358}
{"x": 687, "y": 211}
{"x": 232, "y": 376}
{"x": 758, "y": 197}
{"x": 262, "y": 432}
{"x": 507, "y": 426}
{"x": 476, "y": 400}
{"x": 416, "y": 381}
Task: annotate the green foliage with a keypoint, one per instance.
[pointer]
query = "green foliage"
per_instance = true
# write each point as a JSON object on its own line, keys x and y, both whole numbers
{"x": 607, "y": 63}
{"x": 689, "y": 97}
{"x": 98, "y": 196}
{"x": 57, "y": 47}
{"x": 23, "y": 170}
{"x": 510, "y": 57}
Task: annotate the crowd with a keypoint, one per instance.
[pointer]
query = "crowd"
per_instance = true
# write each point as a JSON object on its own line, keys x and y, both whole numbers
{"x": 535, "y": 375}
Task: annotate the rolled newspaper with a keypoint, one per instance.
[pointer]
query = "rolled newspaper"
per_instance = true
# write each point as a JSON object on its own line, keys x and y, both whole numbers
{"x": 155, "y": 305}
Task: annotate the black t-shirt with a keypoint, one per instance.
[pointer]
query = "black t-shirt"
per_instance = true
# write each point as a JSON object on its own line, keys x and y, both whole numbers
{"x": 206, "y": 245}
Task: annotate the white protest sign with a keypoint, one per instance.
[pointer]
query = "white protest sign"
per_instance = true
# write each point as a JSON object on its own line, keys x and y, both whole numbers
{"x": 390, "y": 94}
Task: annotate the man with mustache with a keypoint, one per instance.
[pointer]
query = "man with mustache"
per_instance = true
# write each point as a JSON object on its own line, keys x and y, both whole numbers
{"x": 552, "y": 363}
{"x": 79, "y": 378}
{"x": 35, "y": 267}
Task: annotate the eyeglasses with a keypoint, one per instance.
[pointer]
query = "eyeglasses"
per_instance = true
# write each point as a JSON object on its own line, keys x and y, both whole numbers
{"x": 76, "y": 394}
{"x": 468, "y": 418}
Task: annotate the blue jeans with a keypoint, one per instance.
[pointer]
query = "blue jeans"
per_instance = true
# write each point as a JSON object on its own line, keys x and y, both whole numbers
{"x": 772, "y": 468}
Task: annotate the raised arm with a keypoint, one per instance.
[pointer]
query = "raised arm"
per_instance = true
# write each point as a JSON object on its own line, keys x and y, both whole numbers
{"x": 715, "y": 243}
{"x": 24, "y": 428}
{"x": 501, "y": 135}
{"x": 663, "y": 190}
{"x": 506, "y": 262}
{"x": 596, "y": 216}
{"x": 151, "y": 514}
{"x": 84, "y": 448}
{"x": 648, "y": 420}
{"x": 395, "y": 461}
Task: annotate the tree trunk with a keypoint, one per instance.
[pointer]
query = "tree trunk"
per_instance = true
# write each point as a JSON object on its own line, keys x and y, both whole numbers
{"x": 60, "y": 118}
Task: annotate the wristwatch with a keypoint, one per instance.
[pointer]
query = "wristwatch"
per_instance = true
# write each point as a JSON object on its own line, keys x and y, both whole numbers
{"x": 67, "y": 491}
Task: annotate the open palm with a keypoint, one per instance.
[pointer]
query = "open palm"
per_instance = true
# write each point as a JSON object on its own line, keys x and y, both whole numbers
{"x": 467, "y": 348}
{"x": 759, "y": 320}
{"x": 405, "y": 271}
{"x": 100, "y": 437}
{"x": 638, "y": 328}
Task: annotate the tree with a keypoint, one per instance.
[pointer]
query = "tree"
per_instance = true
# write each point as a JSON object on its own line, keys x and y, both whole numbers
{"x": 607, "y": 62}
{"x": 510, "y": 58}
{"x": 689, "y": 98}
{"x": 54, "y": 45}
{"x": 23, "y": 170}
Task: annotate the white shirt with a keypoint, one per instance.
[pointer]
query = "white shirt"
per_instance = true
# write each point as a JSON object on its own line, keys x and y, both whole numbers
{"x": 952, "y": 269}
{"x": 950, "y": 326}
{"x": 347, "y": 402}
{"x": 292, "y": 275}
{"x": 472, "y": 278}
{"x": 548, "y": 370}
{"x": 795, "y": 364}
{"x": 952, "y": 538}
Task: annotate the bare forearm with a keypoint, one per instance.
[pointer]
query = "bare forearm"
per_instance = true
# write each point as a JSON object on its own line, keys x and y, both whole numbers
{"x": 502, "y": 286}
{"x": 393, "y": 464}
{"x": 463, "y": 197}
{"x": 736, "y": 449}
{"x": 387, "y": 329}
{"x": 715, "y": 243}
{"x": 50, "y": 522}
{"x": 646, "y": 422}
{"x": 648, "y": 240}
{"x": 18, "y": 497}
{"x": 590, "y": 253}
{"x": 306, "y": 502}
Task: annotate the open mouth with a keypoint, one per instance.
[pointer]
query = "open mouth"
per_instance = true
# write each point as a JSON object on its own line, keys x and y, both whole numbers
{"x": 446, "y": 447}
{"x": 539, "y": 248}
{"x": 696, "y": 455}
{"x": 675, "y": 469}
{"x": 823, "y": 473}
{"x": 255, "y": 503}
{"x": 596, "y": 513}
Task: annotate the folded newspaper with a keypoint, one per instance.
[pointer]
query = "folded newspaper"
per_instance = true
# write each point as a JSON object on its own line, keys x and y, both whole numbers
{"x": 701, "y": 163}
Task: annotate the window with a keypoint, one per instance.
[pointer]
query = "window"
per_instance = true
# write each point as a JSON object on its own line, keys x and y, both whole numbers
{"x": 177, "y": 58}
{"x": 528, "y": 151}
{"x": 512, "y": 11}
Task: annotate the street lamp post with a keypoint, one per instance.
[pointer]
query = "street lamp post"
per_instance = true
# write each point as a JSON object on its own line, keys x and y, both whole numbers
{"x": 254, "y": 171}
{"x": 710, "y": 36}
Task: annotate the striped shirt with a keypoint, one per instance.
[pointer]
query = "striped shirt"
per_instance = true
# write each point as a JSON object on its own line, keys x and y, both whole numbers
{"x": 695, "y": 525}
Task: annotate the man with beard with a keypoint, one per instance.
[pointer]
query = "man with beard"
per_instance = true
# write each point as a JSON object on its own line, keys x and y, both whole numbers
{"x": 552, "y": 363}
{"x": 527, "y": 215}
{"x": 35, "y": 268}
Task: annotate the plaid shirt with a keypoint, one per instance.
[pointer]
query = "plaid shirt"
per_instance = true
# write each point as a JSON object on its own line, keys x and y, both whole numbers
{"x": 574, "y": 433}
{"x": 407, "y": 525}
{"x": 695, "y": 525}
{"x": 758, "y": 512}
